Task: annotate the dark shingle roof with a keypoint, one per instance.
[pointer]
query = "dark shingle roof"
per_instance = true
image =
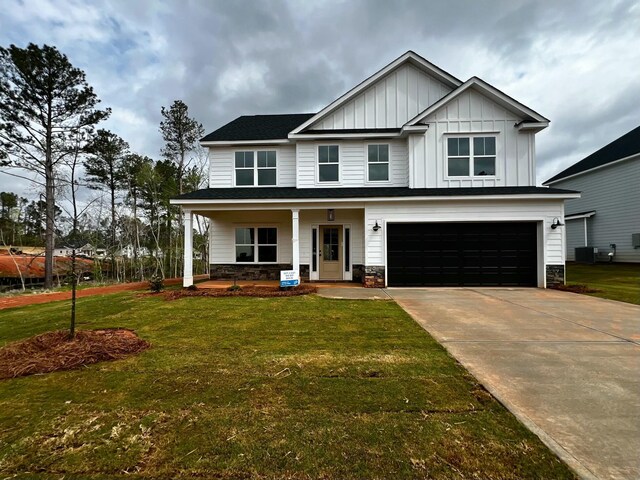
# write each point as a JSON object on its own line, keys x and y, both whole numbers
{"x": 258, "y": 127}
{"x": 625, "y": 146}
{"x": 263, "y": 193}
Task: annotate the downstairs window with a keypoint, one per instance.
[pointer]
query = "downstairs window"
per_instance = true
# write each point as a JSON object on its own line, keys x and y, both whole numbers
{"x": 257, "y": 245}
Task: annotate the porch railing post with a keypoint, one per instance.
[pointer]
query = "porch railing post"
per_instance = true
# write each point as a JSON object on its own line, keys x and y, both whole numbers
{"x": 295, "y": 239}
{"x": 187, "y": 279}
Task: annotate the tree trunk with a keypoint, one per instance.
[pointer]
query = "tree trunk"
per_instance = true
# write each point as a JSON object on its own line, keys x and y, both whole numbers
{"x": 49, "y": 243}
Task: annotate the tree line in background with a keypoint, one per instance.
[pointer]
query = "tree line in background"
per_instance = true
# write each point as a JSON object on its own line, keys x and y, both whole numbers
{"x": 93, "y": 188}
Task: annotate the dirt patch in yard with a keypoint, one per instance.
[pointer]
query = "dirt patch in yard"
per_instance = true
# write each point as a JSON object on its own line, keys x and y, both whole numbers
{"x": 53, "y": 351}
{"x": 576, "y": 288}
{"x": 247, "y": 291}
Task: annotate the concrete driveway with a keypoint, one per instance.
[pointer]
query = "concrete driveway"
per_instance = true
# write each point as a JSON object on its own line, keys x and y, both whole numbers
{"x": 567, "y": 365}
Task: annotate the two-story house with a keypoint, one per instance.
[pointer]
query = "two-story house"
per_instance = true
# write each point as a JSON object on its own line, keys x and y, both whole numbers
{"x": 411, "y": 178}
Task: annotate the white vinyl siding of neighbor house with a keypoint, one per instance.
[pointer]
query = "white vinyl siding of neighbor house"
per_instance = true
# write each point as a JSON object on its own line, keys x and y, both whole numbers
{"x": 614, "y": 193}
{"x": 389, "y": 103}
{"x": 575, "y": 236}
{"x": 353, "y": 164}
{"x": 471, "y": 115}
{"x": 222, "y": 164}
{"x": 551, "y": 249}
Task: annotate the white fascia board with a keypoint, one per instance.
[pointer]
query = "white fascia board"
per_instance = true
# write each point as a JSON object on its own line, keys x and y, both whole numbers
{"x": 245, "y": 142}
{"x": 581, "y": 215}
{"x": 635, "y": 156}
{"x": 279, "y": 201}
{"x": 409, "y": 56}
{"x": 485, "y": 89}
{"x": 338, "y": 136}
{"x": 535, "y": 126}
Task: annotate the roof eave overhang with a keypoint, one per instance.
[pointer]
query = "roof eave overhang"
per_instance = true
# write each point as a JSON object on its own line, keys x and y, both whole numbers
{"x": 221, "y": 143}
{"x": 222, "y": 201}
{"x": 347, "y": 136}
{"x": 580, "y": 215}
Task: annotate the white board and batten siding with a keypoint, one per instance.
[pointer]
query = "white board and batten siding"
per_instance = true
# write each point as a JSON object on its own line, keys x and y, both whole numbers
{"x": 551, "y": 248}
{"x": 389, "y": 103}
{"x": 353, "y": 164}
{"x": 222, "y": 164}
{"x": 614, "y": 193}
{"x": 472, "y": 113}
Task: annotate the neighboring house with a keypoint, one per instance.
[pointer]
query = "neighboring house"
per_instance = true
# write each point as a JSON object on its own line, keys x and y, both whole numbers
{"x": 608, "y": 212}
{"x": 62, "y": 251}
{"x": 412, "y": 177}
{"x": 91, "y": 251}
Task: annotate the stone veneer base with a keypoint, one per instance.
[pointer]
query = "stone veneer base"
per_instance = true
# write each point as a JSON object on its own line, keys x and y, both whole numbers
{"x": 374, "y": 277}
{"x": 555, "y": 275}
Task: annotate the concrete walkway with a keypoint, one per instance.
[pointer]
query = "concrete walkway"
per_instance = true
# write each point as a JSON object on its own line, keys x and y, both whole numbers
{"x": 567, "y": 365}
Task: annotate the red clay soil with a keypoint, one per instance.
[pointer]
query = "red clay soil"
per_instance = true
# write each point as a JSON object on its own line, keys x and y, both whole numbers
{"x": 248, "y": 291}
{"x": 27, "y": 299}
{"x": 32, "y": 266}
{"x": 54, "y": 351}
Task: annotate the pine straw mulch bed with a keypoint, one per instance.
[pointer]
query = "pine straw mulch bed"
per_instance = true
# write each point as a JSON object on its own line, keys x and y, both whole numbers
{"x": 248, "y": 291}
{"x": 53, "y": 351}
{"x": 576, "y": 288}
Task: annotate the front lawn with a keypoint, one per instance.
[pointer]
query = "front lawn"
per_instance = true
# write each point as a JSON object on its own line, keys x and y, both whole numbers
{"x": 300, "y": 387}
{"x": 615, "y": 281}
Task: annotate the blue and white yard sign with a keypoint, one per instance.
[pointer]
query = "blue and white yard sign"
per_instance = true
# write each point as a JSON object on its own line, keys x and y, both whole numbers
{"x": 289, "y": 278}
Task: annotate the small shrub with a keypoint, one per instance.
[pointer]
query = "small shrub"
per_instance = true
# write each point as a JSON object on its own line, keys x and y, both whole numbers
{"x": 156, "y": 283}
{"x": 234, "y": 288}
{"x": 193, "y": 288}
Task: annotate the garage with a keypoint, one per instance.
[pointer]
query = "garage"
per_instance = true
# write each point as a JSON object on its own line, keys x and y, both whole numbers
{"x": 462, "y": 254}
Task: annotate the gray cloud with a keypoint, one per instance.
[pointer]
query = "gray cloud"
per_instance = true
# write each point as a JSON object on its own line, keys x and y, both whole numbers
{"x": 573, "y": 61}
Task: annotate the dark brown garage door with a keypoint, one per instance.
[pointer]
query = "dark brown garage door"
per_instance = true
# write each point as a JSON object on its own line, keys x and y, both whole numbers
{"x": 461, "y": 254}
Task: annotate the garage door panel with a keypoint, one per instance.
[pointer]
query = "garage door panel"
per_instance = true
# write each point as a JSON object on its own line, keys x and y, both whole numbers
{"x": 459, "y": 254}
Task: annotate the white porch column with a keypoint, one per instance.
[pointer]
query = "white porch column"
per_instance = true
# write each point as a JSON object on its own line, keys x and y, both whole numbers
{"x": 295, "y": 239}
{"x": 187, "y": 280}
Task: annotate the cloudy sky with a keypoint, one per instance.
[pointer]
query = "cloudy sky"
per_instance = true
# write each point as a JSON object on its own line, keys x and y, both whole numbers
{"x": 577, "y": 63}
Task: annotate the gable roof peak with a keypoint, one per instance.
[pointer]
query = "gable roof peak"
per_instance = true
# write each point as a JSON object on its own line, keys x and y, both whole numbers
{"x": 409, "y": 56}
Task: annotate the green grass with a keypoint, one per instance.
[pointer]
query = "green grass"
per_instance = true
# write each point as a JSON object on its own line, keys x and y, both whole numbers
{"x": 615, "y": 281}
{"x": 300, "y": 387}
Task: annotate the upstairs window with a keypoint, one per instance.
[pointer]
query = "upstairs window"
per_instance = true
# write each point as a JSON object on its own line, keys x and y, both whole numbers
{"x": 378, "y": 163}
{"x": 328, "y": 163}
{"x": 244, "y": 168}
{"x": 250, "y": 172}
{"x": 467, "y": 156}
{"x": 257, "y": 245}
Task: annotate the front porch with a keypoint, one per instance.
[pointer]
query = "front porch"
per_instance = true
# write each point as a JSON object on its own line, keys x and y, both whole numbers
{"x": 252, "y": 246}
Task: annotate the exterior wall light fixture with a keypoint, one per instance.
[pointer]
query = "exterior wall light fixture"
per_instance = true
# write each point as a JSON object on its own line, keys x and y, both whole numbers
{"x": 376, "y": 227}
{"x": 556, "y": 223}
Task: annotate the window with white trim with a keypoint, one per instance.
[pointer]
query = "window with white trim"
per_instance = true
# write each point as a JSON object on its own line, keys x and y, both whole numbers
{"x": 328, "y": 163}
{"x": 256, "y": 245}
{"x": 378, "y": 163}
{"x": 250, "y": 172}
{"x": 471, "y": 156}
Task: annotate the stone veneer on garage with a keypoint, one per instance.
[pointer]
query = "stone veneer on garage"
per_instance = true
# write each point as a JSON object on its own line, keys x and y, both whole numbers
{"x": 374, "y": 277}
{"x": 555, "y": 275}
